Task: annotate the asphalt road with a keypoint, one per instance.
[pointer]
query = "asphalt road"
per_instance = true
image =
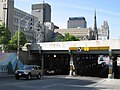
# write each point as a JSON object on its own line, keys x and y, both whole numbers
{"x": 53, "y": 83}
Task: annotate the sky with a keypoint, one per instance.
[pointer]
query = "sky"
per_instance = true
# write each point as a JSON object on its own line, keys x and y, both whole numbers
{"x": 61, "y": 10}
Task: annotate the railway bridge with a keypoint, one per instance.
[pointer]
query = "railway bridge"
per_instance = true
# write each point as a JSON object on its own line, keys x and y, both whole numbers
{"x": 75, "y": 57}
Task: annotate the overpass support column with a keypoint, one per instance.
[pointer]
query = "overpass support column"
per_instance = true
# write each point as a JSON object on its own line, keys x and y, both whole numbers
{"x": 71, "y": 65}
{"x": 110, "y": 72}
{"x": 42, "y": 64}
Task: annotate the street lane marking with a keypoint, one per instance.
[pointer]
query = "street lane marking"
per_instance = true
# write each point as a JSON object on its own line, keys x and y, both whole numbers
{"x": 67, "y": 85}
{"x": 49, "y": 86}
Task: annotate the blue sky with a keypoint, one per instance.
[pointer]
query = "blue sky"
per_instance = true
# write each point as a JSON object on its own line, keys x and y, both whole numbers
{"x": 107, "y": 10}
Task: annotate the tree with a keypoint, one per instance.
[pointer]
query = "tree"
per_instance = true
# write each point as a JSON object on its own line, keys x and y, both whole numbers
{"x": 13, "y": 43}
{"x": 4, "y": 35}
{"x": 58, "y": 37}
{"x": 69, "y": 37}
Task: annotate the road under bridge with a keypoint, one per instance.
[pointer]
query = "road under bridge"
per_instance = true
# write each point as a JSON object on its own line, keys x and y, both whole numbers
{"x": 75, "y": 57}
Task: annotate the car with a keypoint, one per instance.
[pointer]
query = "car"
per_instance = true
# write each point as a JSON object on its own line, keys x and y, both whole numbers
{"x": 28, "y": 72}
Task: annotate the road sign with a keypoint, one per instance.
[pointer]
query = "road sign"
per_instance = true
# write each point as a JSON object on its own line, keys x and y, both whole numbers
{"x": 86, "y": 48}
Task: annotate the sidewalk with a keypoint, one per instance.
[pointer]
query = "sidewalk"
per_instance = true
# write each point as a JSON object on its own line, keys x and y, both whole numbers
{"x": 7, "y": 76}
{"x": 109, "y": 84}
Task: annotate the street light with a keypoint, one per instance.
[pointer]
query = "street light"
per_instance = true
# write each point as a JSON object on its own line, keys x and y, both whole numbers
{"x": 19, "y": 24}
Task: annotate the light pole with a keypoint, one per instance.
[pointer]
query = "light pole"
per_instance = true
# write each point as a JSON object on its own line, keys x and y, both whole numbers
{"x": 19, "y": 24}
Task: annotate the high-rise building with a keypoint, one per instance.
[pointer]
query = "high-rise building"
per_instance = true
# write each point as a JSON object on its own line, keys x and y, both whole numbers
{"x": 42, "y": 12}
{"x": 34, "y": 25}
{"x": 76, "y": 22}
{"x": 11, "y": 17}
{"x": 103, "y": 32}
{"x": 7, "y": 13}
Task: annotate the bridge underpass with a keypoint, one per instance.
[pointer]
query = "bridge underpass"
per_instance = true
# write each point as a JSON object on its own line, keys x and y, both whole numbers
{"x": 84, "y": 60}
{"x": 85, "y": 63}
{"x": 57, "y": 62}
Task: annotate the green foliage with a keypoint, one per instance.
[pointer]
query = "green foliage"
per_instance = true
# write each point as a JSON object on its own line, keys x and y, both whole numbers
{"x": 13, "y": 43}
{"x": 69, "y": 37}
{"x": 10, "y": 43}
{"x": 9, "y": 68}
{"x": 58, "y": 37}
{"x": 4, "y": 35}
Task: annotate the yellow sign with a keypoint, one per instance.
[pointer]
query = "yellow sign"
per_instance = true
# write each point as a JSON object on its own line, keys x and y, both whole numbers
{"x": 99, "y": 48}
{"x": 73, "y": 48}
{"x": 104, "y": 48}
{"x": 90, "y": 48}
{"x": 86, "y": 48}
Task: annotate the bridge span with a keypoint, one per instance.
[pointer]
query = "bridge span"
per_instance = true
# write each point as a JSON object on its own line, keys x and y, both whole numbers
{"x": 73, "y": 57}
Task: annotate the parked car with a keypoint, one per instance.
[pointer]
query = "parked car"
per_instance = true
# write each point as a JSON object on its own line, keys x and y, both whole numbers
{"x": 28, "y": 72}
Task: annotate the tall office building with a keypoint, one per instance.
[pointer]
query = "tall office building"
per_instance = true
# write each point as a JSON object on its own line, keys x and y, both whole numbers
{"x": 76, "y": 22}
{"x": 7, "y": 13}
{"x": 11, "y": 16}
{"x": 42, "y": 12}
{"x": 32, "y": 25}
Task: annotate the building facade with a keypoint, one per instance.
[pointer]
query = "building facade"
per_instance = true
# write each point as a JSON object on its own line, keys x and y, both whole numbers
{"x": 32, "y": 25}
{"x": 25, "y": 22}
{"x": 103, "y": 32}
{"x": 7, "y": 13}
{"x": 49, "y": 30}
{"x": 81, "y": 33}
{"x": 76, "y": 22}
{"x": 42, "y": 12}
{"x": 15, "y": 18}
